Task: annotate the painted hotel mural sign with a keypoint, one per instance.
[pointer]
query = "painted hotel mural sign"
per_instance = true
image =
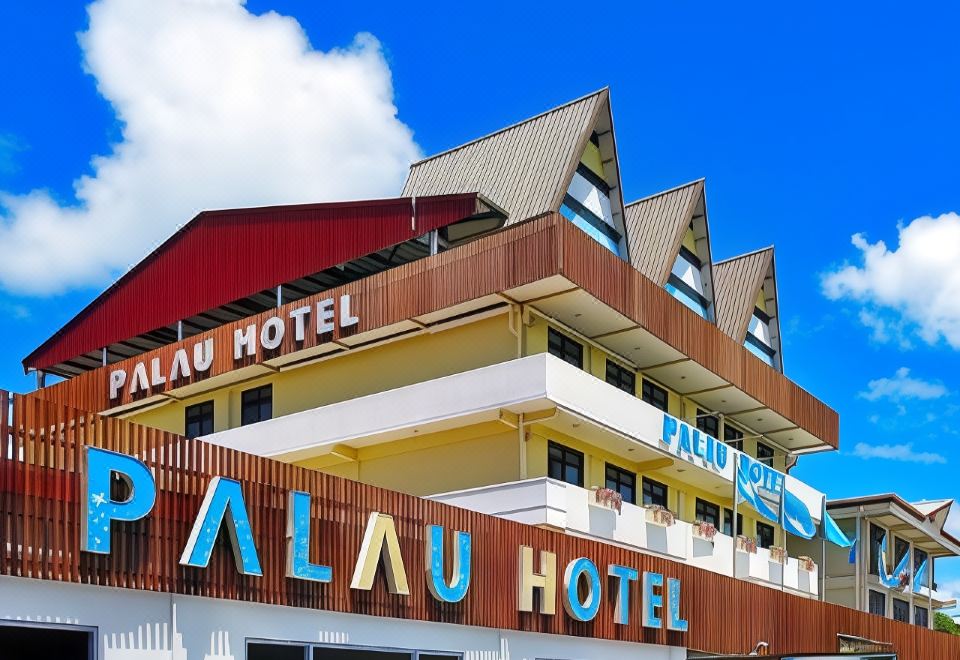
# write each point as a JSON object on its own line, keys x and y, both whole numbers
{"x": 146, "y": 376}
{"x": 648, "y": 598}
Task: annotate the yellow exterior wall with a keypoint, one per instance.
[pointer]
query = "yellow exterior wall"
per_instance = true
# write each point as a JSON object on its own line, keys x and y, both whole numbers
{"x": 354, "y": 374}
{"x": 591, "y": 158}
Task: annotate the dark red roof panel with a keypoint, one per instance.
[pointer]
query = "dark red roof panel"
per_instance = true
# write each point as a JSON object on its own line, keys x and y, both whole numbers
{"x": 222, "y": 256}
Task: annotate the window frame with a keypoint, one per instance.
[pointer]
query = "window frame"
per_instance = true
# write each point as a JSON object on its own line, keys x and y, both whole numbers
{"x": 619, "y": 374}
{"x": 653, "y": 483}
{"x": 727, "y": 515}
{"x": 899, "y": 601}
{"x": 737, "y": 442}
{"x": 654, "y": 389}
{"x": 564, "y": 340}
{"x": 194, "y": 408}
{"x": 881, "y": 597}
{"x": 621, "y": 475}
{"x": 258, "y": 391}
{"x": 310, "y": 648}
{"x": 873, "y": 554}
{"x": 565, "y": 451}
{"x": 702, "y": 417}
{"x": 768, "y": 459}
{"x": 916, "y": 616}
{"x": 702, "y": 504}
{"x": 760, "y": 525}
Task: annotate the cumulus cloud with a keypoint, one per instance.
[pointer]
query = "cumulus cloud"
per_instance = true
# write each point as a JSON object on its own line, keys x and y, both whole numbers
{"x": 901, "y": 452}
{"x": 218, "y": 107}
{"x": 917, "y": 283}
{"x": 903, "y": 386}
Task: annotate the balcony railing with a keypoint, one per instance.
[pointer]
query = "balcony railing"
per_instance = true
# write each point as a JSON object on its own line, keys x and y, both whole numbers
{"x": 573, "y": 510}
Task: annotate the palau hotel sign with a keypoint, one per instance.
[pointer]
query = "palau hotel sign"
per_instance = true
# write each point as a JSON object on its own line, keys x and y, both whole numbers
{"x": 448, "y": 580}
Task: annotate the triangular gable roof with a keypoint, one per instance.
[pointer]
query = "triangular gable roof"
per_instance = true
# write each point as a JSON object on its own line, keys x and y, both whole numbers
{"x": 526, "y": 168}
{"x": 737, "y": 285}
{"x": 656, "y": 226}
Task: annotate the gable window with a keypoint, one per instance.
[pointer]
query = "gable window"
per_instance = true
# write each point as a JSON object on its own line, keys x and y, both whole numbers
{"x": 256, "y": 405}
{"x": 764, "y": 535}
{"x": 901, "y": 610}
{"x": 622, "y": 481}
{"x": 587, "y": 202}
{"x": 565, "y": 464}
{"x": 759, "y": 341}
{"x": 708, "y": 512}
{"x": 654, "y": 493}
{"x": 733, "y": 437}
{"x": 709, "y": 424}
{"x": 654, "y": 395}
{"x": 728, "y": 520}
{"x": 621, "y": 377}
{"x": 566, "y": 349}
{"x": 878, "y": 603}
{"x": 686, "y": 279}
{"x": 765, "y": 454}
{"x": 198, "y": 420}
{"x": 876, "y": 538}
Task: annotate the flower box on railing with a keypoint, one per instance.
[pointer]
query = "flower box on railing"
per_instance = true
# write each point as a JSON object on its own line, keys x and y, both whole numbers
{"x": 746, "y": 544}
{"x": 778, "y": 554}
{"x": 807, "y": 564}
{"x": 704, "y": 530}
{"x": 660, "y": 515}
{"x": 608, "y": 498}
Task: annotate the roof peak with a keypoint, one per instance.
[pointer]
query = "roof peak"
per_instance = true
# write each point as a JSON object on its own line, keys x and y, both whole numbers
{"x": 599, "y": 92}
{"x": 669, "y": 190}
{"x": 769, "y": 248}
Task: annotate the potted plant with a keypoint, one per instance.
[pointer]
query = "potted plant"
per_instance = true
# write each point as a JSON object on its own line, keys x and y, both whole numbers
{"x": 778, "y": 554}
{"x": 704, "y": 530}
{"x": 609, "y": 498}
{"x": 746, "y": 544}
{"x": 807, "y": 564}
{"x": 660, "y": 515}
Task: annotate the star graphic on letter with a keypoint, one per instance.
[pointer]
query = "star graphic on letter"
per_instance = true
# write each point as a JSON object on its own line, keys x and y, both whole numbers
{"x": 98, "y": 499}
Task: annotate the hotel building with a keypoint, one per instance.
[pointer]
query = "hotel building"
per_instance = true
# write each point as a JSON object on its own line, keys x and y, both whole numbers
{"x": 509, "y": 366}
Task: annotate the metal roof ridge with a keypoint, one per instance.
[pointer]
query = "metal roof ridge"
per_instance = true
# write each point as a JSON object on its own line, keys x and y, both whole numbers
{"x": 702, "y": 179}
{"x": 769, "y": 248}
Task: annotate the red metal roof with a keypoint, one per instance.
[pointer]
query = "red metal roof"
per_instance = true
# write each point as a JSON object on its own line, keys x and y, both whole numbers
{"x": 222, "y": 256}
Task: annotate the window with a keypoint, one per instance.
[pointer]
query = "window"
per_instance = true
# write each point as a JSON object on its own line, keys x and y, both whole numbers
{"x": 921, "y": 616}
{"x": 709, "y": 424}
{"x": 878, "y": 603}
{"x": 623, "y": 482}
{"x": 919, "y": 557}
{"x": 26, "y": 641}
{"x": 275, "y": 651}
{"x": 728, "y": 519}
{"x": 198, "y": 420}
{"x": 733, "y": 437}
{"x": 876, "y": 538}
{"x": 765, "y": 454}
{"x": 708, "y": 512}
{"x": 256, "y": 405}
{"x": 686, "y": 281}
{"x": 901, "y": 610}
{"x": 565, "y": 348}
{"x": 900, "y": 550}
{"x": 565, "y": 464}
{"x": 764, "y": 535}
{"x": 621, "y": 377}
{"x": 654, "y": 492}
{"x": 654, "y": 395}
{"x": 263, "y": 650}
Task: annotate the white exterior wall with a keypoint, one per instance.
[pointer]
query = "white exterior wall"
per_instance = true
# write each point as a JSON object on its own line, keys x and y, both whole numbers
{"x": 141, "y": 625}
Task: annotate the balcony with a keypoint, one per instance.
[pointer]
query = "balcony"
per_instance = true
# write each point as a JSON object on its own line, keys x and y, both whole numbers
{"x": 573, "y": 510}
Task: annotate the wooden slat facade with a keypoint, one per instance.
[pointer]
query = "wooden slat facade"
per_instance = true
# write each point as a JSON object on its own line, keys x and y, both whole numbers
{"x": 40, "y": 538}
{"x": 528, "y": 252}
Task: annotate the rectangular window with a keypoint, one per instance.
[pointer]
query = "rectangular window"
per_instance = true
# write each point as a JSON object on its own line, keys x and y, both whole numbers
{"x": 728, "y": 519}
{"x": 919, "y": 557}
{"x": 622, "y": 481}
{"x": 708, "y": 512}
{"x": 733, "y": 437}
{"x": 654, "y": 493}
{"x": 621, "y": 377}
{"x": 878, "y": 603}
{"x": 566, "y": 349}
{"x": 900, "y": 550}
{"x": 256, "y": 405}
{"x": 901, "y": 610}
{"x": 655, "y": 395}
{"x": 764, "y": 535}
{"x": 765, "y": 454}
{"x": 275, "y": 651}
{"x": 709, "y": 424}
{"x": 920, "y": 616}
{"x": 876, "y": 538}
{"x": 198, "y": 420}
{"x": 565, "y": 464}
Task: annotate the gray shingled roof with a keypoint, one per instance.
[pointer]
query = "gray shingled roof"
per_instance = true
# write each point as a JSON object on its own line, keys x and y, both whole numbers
{"x": 655, "y": 228}
{"x": 737, "y": 282}
{"x": 525, "y": 168}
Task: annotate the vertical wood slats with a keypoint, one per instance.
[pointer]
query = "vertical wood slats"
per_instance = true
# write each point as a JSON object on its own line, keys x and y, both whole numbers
{"x": 528, "y": 252}
{"x": 40, "y": 535}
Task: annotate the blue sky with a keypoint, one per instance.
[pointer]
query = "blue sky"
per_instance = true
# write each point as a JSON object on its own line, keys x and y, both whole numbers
{"x": 810, "y": 125}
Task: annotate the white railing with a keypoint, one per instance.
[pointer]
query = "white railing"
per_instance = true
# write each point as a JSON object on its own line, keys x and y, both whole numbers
{"x": 574, "y": 510}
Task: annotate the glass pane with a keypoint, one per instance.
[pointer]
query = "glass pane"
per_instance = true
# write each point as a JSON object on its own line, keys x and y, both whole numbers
{"x": 321, "y": 653}
{"x": 267, "y": 651}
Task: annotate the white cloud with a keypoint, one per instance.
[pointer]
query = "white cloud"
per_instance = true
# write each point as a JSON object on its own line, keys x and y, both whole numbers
{"x": 219, "y": 108}
{"x": 902, "y": 386}
{"x": 903, "y": 452}
{"x": 918, "y": 283}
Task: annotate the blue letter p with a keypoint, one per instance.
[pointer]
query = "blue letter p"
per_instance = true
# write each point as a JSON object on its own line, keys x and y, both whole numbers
{"x": 99, "y": 508}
